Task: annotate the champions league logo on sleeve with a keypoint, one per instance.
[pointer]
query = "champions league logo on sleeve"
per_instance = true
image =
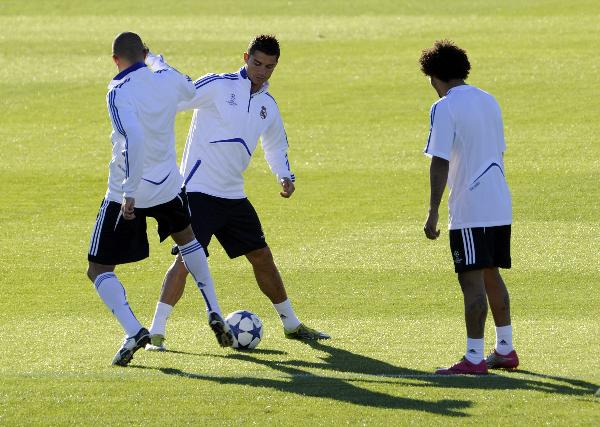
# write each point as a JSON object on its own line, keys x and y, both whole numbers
{"x": 232, "y": 100}
{"x": 263, "y": 112}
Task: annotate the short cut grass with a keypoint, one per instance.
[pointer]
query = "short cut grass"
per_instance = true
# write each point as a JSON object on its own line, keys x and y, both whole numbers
{"x": 446, "y": 61}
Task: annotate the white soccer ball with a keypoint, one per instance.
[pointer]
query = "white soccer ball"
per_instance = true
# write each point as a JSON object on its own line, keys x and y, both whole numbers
{"x": 246, "y": 328}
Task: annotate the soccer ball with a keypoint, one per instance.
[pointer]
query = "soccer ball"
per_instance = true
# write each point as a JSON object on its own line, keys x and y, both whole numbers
{"x": 246, "y": 328}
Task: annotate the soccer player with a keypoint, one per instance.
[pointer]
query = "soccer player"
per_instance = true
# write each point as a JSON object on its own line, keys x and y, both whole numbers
{"x": 231, "y": 112}
{"x": 144, "y": 181}
{"x": 466, "y": 146}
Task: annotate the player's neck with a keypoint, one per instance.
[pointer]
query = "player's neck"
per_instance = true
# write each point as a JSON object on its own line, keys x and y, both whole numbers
{"x": 451, "y": 84}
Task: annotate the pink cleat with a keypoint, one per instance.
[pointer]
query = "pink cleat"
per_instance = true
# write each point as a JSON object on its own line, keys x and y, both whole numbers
{"x": 496, "y": 360}
{"x": 464, "y": 367}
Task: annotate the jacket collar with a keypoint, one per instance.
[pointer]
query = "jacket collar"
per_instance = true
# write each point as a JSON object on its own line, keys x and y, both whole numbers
{"x": 116, "y": 80}
{"x": 244, "y": 73}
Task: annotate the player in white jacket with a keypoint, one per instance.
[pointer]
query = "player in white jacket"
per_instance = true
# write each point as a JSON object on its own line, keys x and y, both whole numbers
{"x": 144, "y": 181}
{"x": 231, "y": 113}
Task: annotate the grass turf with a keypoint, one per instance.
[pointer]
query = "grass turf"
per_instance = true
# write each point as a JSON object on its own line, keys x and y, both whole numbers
{"x": 349, "y": 243}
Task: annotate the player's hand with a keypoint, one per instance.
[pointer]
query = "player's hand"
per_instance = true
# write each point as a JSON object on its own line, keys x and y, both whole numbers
{"x": 287, "y": 187}
{"x": 127, "y": 208}
{"x": 430, "y": 228}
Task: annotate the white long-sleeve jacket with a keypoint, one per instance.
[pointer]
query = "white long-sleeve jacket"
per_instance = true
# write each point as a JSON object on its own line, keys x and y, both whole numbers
{"x": 142, "y": 106}
{"x": 226, "y": 125}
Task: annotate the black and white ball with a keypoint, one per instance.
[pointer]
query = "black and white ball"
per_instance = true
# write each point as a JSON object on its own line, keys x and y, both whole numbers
{"x": 246, "y": 327}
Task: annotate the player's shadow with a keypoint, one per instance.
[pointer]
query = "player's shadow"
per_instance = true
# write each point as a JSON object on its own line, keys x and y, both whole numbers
{"x": 343, "y": 361}
{"x": 307, "y": 384}
{"x": 359, "y": 369}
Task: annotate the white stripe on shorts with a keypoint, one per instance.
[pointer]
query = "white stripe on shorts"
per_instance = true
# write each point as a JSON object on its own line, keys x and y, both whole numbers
{"x": 98, "y": 229}
{"x": 465, "y": 248}
{"x": 472, "y": 246}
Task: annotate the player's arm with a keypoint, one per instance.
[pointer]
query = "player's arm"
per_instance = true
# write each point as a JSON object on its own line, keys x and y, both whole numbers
{"x": 184, "y": 83}
{"x": 275, "y": 145}
{"x": 438, "y": 176}
{"x": 439, "y": 148}
{"x": 204, "y": 90}
{"x": 125, "y": 120}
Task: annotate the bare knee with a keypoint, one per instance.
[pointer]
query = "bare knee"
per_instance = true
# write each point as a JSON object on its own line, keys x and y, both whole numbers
{"x": 261, "y": 257}
{"x": 94, "y": 270}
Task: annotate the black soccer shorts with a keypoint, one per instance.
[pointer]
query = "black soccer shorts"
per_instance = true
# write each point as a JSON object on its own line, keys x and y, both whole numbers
{"x": 481, "y": 247}
{"x": 234, "y": 222}
{"x": 116, "y": 240}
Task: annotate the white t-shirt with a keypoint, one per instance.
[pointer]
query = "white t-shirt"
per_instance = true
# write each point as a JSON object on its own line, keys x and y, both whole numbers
{"x": 467, "y": 130}
{"x": 142, "y": 106}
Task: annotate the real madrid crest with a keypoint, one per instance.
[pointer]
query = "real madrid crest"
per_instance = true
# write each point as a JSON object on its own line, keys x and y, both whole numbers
{"x": 263, "y": 112}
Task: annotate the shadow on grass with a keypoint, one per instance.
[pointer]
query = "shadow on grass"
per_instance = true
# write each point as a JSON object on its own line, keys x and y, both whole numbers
{"x": 299, "y": 380}
{"x": 343, "y": 361}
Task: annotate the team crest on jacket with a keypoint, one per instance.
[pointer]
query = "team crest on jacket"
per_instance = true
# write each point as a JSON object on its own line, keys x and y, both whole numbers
{"x": 263, "y": 112}
{"x": 232, "y": 100}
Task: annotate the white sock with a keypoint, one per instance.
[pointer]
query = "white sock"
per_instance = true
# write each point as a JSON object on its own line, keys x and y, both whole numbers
{"x": 474, "y": 352}
{"x": 504, "y": 342}
{"x": 196, "y": 263}
{"x": 113, "y": 294}
{"x": 287, "y": 315}
{"x": 159, "y": 322}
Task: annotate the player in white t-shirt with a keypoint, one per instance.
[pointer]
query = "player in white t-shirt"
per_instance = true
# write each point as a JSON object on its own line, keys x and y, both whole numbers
{"x": 144, "y": 181}
{"x": 466, "y": 146}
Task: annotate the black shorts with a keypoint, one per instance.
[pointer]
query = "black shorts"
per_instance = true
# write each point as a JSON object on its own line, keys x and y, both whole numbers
{"x": 118, "y": 241}
{"x": 234, "y": 223}
{"x": 481, "y": 247}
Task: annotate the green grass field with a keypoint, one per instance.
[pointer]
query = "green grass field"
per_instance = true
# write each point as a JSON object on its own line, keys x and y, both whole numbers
{"x": 349, "y": 243}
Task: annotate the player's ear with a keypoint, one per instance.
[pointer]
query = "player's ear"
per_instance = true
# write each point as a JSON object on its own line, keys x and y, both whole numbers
{"x": 116, "y": 59}
{"x": 246, "y": 57}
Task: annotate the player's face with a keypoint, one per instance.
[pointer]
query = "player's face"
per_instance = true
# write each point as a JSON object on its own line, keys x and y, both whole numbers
{"x": 259, "y": 66}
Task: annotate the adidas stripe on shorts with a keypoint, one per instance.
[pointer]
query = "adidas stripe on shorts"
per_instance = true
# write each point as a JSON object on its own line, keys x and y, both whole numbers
{"x": 480, "y": 247}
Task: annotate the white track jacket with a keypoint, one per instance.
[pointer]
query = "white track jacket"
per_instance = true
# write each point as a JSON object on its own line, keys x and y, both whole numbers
{"x": 228, "y": 121}
{"x": 142, "y": 106}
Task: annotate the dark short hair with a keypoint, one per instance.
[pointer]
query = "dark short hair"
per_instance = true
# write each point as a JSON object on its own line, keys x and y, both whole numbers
{"x": 446, "y": 61}
{"x": 129, "y": 46}
{"x": 266, "y": 43}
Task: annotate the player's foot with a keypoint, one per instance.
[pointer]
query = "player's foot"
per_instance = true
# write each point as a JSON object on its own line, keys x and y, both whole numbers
{"x": 304, "y": 333}
{"x": 496, "y": 360}
{"x": 157, "y": 343}
{"x": 130, "y": 346}
{"x": 464, "y": 367}
{"x": 221, "y": 329}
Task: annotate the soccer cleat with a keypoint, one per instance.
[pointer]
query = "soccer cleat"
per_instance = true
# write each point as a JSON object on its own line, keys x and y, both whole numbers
{"x": 464, "y": 367}
{"x": 157, "y": 343}
{"x": 304, "y": 333}
{"x": 130, "y": 346}
{"x": 496, "y": 360}
{"x": 221, "y": 329}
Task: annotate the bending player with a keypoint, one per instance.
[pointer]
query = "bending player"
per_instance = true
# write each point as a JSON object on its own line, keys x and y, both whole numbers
{"x": 144, "y": 181}
{"x": 231, "y": 112}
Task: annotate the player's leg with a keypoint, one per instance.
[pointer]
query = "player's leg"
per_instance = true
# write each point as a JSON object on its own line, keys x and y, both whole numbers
{"x": 196, "y": 263}
{"x": 170, "y": 293}
{"x": 468, "y": 251}
{"x": 242, "y": 234}
{"x": 116, "y": 241}
{"x": 504, "y": 354}
{"x": 475, "y": 305}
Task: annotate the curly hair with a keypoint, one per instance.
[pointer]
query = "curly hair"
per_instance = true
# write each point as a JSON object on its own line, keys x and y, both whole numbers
{"x": 266, "y": 43}
{"x": 445, "y": 60}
